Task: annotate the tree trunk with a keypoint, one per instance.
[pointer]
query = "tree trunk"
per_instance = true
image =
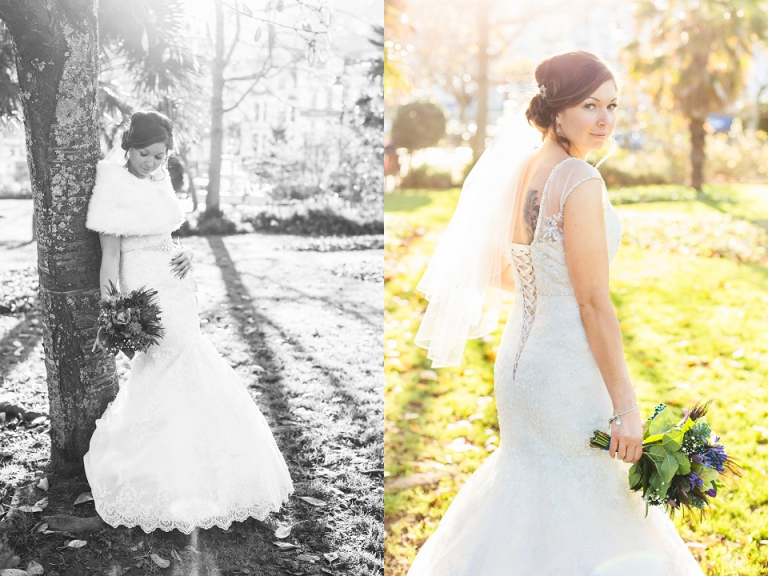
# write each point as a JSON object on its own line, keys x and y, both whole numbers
{"x": 698, "y": 135}
{"x": 217, "y": 115}
{"x": 483, "y": 26}
{"x": 57, "y": 59}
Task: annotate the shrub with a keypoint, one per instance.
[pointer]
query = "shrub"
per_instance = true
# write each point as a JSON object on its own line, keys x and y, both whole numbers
{"x": 312, "y": 221}
{"x": 665, "y": 193}
{"x": 429, "y": 177}
{"x": 214, "y": 223}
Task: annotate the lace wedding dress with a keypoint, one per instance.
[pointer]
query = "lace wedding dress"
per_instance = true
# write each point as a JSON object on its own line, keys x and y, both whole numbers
{"x": 182, "y": 445}
{"x": 545, "y": 503}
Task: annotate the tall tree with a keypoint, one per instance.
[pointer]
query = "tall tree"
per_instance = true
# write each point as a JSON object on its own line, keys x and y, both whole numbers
{"x": 269, "y": 63}
{"x": 457, "y": 46}
{"x": 693, "y": 55}
{"x": 57, "y": 59}
{"x": 56, "y": 49}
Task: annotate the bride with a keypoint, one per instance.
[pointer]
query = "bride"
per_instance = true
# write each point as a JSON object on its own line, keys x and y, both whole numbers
{"x": 540, "y": 224}
{"x": 182, "y": 445}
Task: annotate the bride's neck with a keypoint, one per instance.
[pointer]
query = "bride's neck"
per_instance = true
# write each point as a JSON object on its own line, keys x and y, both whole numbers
{"x": 132, "y": 171}
{"x": 550, "y": 142}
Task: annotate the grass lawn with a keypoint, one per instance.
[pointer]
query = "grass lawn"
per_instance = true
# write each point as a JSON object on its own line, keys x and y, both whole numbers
{"x": 302, "y": 328}
{"x": 690, "y": 287}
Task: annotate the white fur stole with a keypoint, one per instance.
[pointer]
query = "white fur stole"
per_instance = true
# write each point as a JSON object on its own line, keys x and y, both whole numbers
{"x": 125, "y": 205}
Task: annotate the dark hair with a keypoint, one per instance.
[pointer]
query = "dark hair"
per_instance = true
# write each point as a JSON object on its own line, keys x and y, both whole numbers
{"x": 148, "y": 127}
{"x": 563, "y": 81}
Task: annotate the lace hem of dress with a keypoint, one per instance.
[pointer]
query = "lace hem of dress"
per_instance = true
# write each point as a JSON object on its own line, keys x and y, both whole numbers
{"x": 149, "y": 520}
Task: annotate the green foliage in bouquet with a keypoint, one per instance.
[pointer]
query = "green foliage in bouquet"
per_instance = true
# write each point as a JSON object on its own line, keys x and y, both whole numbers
{"x": 128, "y": 323}
{"x": 679, "y": 469}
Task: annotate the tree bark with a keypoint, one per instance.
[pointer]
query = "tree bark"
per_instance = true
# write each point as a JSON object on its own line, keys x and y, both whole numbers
{"x": 483, "y": 29}
{"x": 698, "y": 135}
{"x": 58, "y": 68}
{"x": 217, "y": 115}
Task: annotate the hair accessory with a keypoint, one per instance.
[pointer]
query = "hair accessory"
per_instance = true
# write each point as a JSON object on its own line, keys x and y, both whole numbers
{"x": 543, "y": 91}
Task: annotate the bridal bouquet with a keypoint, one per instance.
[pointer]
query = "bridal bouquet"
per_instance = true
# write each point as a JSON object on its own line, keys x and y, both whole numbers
{"x": 680, "y": 467}
{"x": 129, "y": 322}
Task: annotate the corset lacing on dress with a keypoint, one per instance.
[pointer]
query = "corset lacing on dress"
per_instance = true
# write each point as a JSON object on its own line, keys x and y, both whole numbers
{"x": 521, "y": 257}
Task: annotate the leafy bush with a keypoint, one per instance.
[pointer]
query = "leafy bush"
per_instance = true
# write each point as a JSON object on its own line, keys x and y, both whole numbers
{"x": 313, "y": 221}
{"x": 294, "y": 191}
{"x": 636, "y": 194}
{"x": 214, "y": 223}
{"x": 428, "y": 177}
{"x": 736, "y": 158}
{"x": 740, "y": 158}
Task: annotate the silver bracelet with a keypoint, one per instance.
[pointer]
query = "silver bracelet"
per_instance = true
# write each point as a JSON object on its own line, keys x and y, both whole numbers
{"x": 617, "y": 417}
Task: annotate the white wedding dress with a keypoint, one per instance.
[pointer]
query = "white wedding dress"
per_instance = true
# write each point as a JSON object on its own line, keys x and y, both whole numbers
{"x": 545, "y": 503}
{"x": 182, "y": 445}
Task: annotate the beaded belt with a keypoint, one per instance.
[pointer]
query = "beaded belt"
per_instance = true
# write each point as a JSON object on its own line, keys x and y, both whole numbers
{"x": 164, "y": 246}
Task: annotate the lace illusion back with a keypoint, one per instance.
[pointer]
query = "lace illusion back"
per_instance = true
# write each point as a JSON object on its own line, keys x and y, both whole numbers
{"x": 545, "y": 503}
{"x": 562, "y": 180}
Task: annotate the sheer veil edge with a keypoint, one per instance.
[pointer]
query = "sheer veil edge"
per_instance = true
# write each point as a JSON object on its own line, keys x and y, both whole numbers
{"x": 463, "y": 280}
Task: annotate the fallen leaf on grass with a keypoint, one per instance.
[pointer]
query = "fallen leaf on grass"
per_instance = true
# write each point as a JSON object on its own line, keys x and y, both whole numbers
{"x": 40, "y": 527}
{"x": 43, "y": 484}
{"x": 258, "y": 369}
{"x": 313, "y": 501}
{"x": 34, "y": 569}
{"x": 283, "y": 532}
{"x": 12, "y": 572}
{"x": 42, "y": 503}
{"x": 8, "y": 560}
{"x": 84, "y": 497}
{"x": 175, "y": 555}
{"x": 307, "y": 558}
{"x": 76, "y": 543}
{"x": 285, "y": 545}
{"x": 331, "y": 557}
{"x": 32, "y": 509}
{"x": 162, "y": 562}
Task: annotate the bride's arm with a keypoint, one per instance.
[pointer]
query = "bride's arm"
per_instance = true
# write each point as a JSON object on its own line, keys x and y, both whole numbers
{"x": 110, "y": 262}
{"x": 586, "y": 254}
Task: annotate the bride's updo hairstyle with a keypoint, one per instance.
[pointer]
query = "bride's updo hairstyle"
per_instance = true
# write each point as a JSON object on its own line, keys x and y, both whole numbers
{"x": 148, "y": 127}
{"x": 563, "y": 81}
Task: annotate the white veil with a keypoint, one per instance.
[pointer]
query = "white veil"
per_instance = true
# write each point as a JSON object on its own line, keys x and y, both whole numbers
{"x": 463, "y": 279}
{"x": 116, "y": 154}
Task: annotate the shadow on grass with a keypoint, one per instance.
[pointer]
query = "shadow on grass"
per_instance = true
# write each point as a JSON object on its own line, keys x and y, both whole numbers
{"x": 307, "y": 445}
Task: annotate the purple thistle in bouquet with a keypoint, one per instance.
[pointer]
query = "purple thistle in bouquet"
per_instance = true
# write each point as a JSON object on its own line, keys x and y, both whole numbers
{"x": 680, "y": 468}
{"x": 128, "y": 322}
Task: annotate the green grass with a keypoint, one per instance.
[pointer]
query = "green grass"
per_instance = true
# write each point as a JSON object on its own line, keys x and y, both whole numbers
{"x": 693, "y": 326}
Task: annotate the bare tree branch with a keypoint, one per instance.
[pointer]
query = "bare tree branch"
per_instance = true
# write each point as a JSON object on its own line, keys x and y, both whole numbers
{"x": 242, "y": 96}
{"x": 237, "y": 37}
{"x": 283, "y": 25}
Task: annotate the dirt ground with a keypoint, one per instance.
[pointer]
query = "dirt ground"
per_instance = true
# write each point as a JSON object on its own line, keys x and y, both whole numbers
{"x": 303, "y": 329}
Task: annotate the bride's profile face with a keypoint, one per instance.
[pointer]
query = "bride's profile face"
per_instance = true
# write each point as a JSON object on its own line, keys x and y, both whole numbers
{"x": 589, "y": 124}
{"x": 143, "y": 161}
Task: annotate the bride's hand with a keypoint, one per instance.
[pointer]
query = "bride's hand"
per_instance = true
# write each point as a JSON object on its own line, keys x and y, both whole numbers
{"x": 627, "y": 438}
{"x": 182, "y": 262}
